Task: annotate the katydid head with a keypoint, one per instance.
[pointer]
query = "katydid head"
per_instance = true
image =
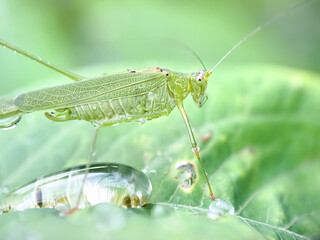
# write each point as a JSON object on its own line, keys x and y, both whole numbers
{"x": 199, "y": 83}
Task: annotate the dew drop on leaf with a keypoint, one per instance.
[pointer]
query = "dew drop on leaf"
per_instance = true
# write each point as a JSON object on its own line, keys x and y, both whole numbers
{"x": 10, "y": 122}
{"x": 219, "y": 208}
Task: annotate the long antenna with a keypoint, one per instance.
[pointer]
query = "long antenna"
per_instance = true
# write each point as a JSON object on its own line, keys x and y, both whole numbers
{"x": 253, "y": 32}
{"x": 186, "y": 48}
{"x": 190, "y": 50}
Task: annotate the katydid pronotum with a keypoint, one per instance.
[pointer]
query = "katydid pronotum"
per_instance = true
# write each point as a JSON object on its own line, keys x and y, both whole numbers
{"x": 110, "y": 99}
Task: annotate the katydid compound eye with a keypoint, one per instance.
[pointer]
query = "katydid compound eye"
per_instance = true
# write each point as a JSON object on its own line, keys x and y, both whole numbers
{"x": 199, "y": 78}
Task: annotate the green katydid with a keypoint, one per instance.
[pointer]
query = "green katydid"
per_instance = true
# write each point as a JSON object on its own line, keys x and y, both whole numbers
{"x": 110, "y": 99}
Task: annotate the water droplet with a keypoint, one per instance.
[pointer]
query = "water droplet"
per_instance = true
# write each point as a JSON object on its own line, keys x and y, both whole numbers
{"x": 4, "y": 47}
{"x": 160, "y": 211}
{"x": 193, "y": 150}
{"x": 219, "y": 208}
{"x": 141, "y": 120}
{"x": 10, "y": 122}
{"x": 116, "y": 124}
{"x": 94, "y": 107}
{"x": 14, "y": 51}
{"x": 189, "y": 175}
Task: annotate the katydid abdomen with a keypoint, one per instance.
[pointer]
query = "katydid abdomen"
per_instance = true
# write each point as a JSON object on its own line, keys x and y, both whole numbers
{"x": 153, "y": 104}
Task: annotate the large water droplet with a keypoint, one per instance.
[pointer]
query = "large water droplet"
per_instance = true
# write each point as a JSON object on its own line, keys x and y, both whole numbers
{"x": 10, "y": 122}
{"x": 219, "y": 208}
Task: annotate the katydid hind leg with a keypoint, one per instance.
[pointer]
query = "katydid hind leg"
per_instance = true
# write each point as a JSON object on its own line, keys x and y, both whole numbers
{"x": 194, "y": 144}
{"x": 38, "y": 59}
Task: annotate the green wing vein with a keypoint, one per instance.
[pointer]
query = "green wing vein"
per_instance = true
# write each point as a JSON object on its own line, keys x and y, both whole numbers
{"x": 102, "y": 88}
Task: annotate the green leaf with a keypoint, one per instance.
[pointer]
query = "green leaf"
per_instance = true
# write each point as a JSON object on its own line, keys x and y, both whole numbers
{"x": 262, "y": 155}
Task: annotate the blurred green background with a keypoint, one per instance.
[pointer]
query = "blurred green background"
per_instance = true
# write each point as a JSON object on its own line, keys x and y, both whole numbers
{"x": 262, "y": 156}
{"x": 77, "y": 34}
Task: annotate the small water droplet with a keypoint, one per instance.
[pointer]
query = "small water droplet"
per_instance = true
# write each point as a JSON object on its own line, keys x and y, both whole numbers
{"x": 14, "y": 51}
{"x": 219, "y": 208}
{"x": 141, "y": 120}
{"x": 160, "y": 211}
{"x": 4, "y": 47}
{"x": 116, "y": 124}
{"x": 39, "y": 58}
{"x": 193, "y": 150}
{"x": 10, "y": 122}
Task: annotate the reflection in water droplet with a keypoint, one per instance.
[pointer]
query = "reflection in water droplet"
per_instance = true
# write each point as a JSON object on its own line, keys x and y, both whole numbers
{"x": 10, "y": 122}
{"x": 219, "y": 208}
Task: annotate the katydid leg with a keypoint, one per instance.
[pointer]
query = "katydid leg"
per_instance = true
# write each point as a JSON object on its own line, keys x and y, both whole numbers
{"x": 194, "y": 144}
{"x": 38, "y": 59}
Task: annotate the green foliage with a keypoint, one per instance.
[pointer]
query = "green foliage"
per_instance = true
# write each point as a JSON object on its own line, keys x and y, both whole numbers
{"x": 262, "y": 156}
